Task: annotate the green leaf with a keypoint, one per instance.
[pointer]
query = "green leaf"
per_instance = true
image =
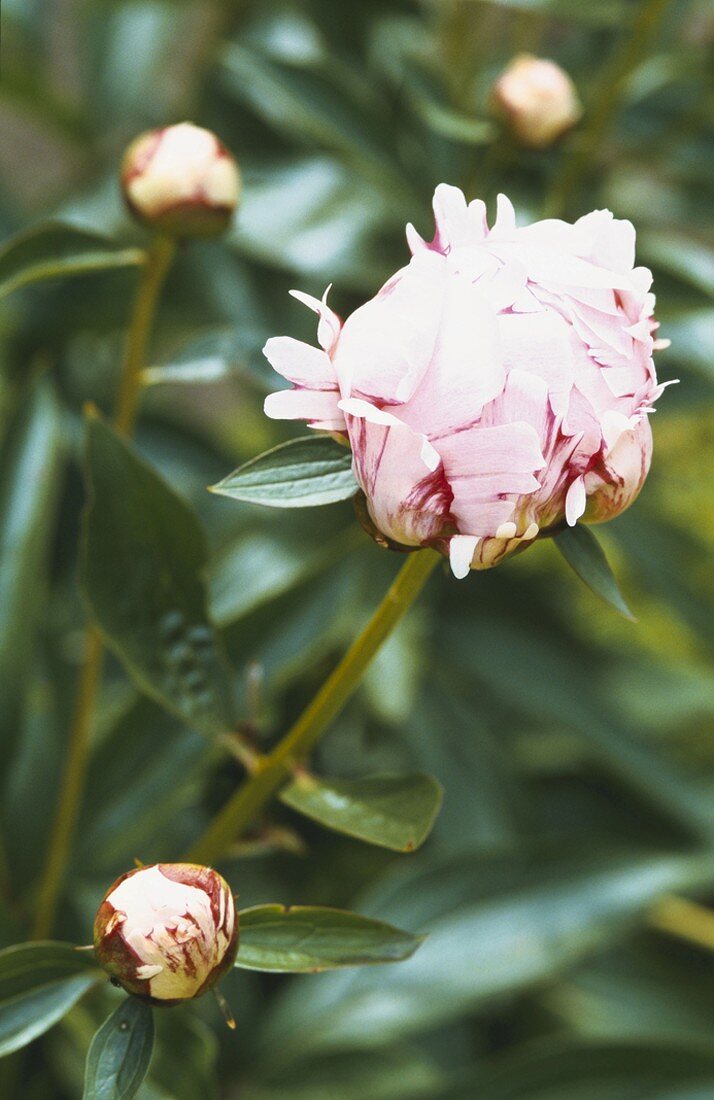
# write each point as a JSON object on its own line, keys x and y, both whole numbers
{"x": 584, "y": 554}
{"x": 692, "y": 334}
{"x": 53, "y": 251}
{"x": 319, "y": 107}
{"x": 260, "y": 567}
{"x": 120, "y": 1053}
{"x": 392, "y": 811}
{"x": 638, "y": 993}
{"x": 401, "y": 1073}
{"x": 192, "y": 1076}
{"x": 311, "y": 215}
{"x": 144, "y": 557}
{"x": 32, "y": 469}
{"x": 606, "y": 13}
{"x": 302, "y": 473}
{"x": 544, "y": 678}
{"x": 39, "y": 983}
{"x": 687, "y": 258}
{"x": 299, "y": 939}
{"x": 496, "y": 926}
{"x": 566, "y": 1070}
{"x": 141, "y": 780}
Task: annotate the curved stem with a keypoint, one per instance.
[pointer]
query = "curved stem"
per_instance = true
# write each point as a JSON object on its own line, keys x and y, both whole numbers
{"x": 158, "y": 262}
{"x": 685, "y": 919}
{"x": 272, "y": 770}
{"x": 586, "y": 143}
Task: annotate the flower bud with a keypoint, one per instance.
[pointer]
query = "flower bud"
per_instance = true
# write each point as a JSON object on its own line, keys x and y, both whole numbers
{"x": 167, "y": 932}
{"x": 181, "y": 180}
{"x": 495, "y": 389}
{"x": 537, "y": 99}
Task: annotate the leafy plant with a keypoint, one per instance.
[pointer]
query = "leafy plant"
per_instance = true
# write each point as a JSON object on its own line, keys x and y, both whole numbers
{"x": 504, "y": 797}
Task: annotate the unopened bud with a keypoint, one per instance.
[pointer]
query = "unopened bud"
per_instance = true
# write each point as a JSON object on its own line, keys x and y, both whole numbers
{"x": 167, "y": 932}
{"x": 537, "y": 99}
{"x": 181, "y": 180}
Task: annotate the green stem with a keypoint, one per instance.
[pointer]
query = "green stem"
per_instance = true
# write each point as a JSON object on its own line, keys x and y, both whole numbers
{"x": 161, "y": 254}
{"x": 587, "y": 142}
{"x": 158, "y": 262}
{"x": 272, "y": 770}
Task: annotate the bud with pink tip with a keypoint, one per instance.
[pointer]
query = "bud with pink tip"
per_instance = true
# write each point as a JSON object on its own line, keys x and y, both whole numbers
{"x": 537, "y": 99}
{"x": 497, "y": 388}
{"x": 181, "y": 180}
{"x": 167, "y": 932}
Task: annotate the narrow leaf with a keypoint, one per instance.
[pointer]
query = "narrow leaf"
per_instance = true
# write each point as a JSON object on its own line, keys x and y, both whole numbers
{"x": 303, "y": 473}
{"x": 54, "y": 250}
{"x": 308, "y": 938}
{"x": 144, "y": 557}
{"x": 32, "y": 469}
{"x": 120, "y": 1052}
{"x": 497, "y": 927}
{"x": 40, "y": 983}
{"x": 576, "y": 1070}
{"x": 584, "y": 554}
{"x": 392, "y": 811}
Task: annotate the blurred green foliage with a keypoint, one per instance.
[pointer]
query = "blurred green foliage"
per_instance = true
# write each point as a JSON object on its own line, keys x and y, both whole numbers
{"x": 575, "y": 748}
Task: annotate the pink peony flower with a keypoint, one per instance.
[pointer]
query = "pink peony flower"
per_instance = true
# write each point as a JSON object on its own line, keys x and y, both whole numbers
{"x": 495, "y": 388}
{"x": 537, "y": 99}
{"x": 168, "y": 932}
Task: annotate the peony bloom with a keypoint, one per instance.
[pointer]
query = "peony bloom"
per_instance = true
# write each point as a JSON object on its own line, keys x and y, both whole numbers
{"x": 537, "y": 99}
{"x": 495, "y": 388}
{"x": 167, "y": 932}
{"x": 182, "y": 180}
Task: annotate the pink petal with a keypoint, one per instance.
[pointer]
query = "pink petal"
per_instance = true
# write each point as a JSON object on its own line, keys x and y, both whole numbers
{"x": 300, "y": 363}
{"x": 304, "y": 405}
{"x": 385, "y": 346}
{"x": 466, "y": 369}
{"x": 539, "y": 343}
{"x": 407, "y": 495}
{"x": 461, "y": 551}
{"x": 481, "y": 464}
{"x": 611, "y": 240}
{"x": 504, "y": 227}
{"x": 575, "y": 500}
{"x": 506, "y": 448}
{"x": 556, "y": 269}
{"x": 329, "y": 324}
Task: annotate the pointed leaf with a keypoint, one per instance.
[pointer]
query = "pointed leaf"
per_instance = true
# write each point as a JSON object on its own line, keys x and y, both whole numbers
{"x": 120, "y": 1052}
{"x": 392, "y": 811}
{"x": 144, "y": 557}
{"x": 32, "y": 469}
{"x": 39, "y": 983}
{"x": 54, "y": 250}
{"x": 585, "y": 555}
{"x": 309, "y": 938}
{"x": 303, "y": 473}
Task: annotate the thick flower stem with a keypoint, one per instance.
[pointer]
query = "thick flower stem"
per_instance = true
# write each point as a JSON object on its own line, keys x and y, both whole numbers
{"x": 277, "y": 766}
{"x": 586, "y": 142}
{"x": 154, "y": 272}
